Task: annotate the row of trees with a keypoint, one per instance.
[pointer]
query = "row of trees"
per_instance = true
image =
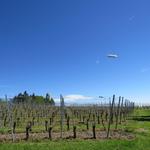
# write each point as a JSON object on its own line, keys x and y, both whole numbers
{"x": 25, "y": 97}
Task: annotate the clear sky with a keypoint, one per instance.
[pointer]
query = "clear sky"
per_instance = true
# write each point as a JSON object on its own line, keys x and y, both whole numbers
{"x": 60, "y": 46}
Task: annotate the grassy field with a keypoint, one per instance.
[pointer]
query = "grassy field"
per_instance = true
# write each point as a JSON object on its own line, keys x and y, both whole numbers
{"x": 141, "y": 130}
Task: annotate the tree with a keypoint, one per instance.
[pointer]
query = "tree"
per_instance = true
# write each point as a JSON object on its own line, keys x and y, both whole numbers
{"x": 26, "y": 98}
{"x": 52, "y": 102}
{"x": 47, "y": 98}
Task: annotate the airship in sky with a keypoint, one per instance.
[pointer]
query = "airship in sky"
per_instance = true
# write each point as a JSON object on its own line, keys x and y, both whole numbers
{"x": 112, "y": 56}
{"x": 101, "y": 97}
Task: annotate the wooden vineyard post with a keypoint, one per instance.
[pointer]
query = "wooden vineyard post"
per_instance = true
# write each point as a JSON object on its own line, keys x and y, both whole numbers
{"x": 106, "y": 116}
{"x": 110, "y": 115}
{"x": 98, "y": 119}
{"x": 5, "y": 119}
{"x": 50, "y": 133}
{"x": 94, "y": 132}
{"x": 14, "y": 128}
{"x": 68, "y": 123}
{"x": 10, "y": 117}
{"x": 87, "y": 124}
{"x": 74, "y": 132}
{"x": 46, "y": 125}
{"x": 27, "y": 133}
{"x": 28, "y": 128}
{"x": 126, "y": 110}
{"x": 62, "y": 105}
{"x": 118, "y": 112}
{"x": 103, "y": 121}
{"x": 121, "y": 110}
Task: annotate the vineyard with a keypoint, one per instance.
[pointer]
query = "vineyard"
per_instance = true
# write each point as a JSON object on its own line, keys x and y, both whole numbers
{"x": 33, "y": 122}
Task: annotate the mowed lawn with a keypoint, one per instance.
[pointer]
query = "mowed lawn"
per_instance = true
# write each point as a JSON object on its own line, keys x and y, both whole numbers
{"x": 141, "y": 130}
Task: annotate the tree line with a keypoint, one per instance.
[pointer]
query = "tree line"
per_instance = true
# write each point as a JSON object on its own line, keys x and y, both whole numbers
{"x": 27, "y": 98}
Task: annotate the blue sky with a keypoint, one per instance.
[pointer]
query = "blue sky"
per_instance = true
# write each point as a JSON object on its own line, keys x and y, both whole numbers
{"x": 60, "y": 46}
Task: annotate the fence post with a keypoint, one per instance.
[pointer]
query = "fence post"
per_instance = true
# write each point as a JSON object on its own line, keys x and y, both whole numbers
{"x": 110, "y": 115}
{"x": 46, "y": 125}
{"x": 74, "y": 132}
{"x": 50, "y": 133}
{"x": 28, "y": 128}
{"x": 121, "y": 110}
{"x": 14, "y": 127}
{"x": 94, "y": 133}
{"x": 118, "y": 112}
{"x": 87, "y": 124}
{"x": 61, "y": 114}
{"x": 68, "y": 123}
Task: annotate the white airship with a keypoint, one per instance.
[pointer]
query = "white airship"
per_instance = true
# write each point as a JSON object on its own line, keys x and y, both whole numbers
{"x": 101, "y": 97}
{"x": 112, "y": 56}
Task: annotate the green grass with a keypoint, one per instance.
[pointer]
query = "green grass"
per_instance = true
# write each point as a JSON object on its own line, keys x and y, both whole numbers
{"x": 141, "y": 130}
{"x": 142, "y": 112}
{"x": 142, "y": 142}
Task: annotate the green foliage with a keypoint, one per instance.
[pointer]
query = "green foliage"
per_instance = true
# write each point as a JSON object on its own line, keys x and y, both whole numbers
{"x": 39, "y": 99}
{"x": 26, "y": 98}
{"x": 140, "y": 143}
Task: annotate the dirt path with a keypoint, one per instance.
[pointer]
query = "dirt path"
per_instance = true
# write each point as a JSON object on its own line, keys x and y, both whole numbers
{"x": 67, "y": 135}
